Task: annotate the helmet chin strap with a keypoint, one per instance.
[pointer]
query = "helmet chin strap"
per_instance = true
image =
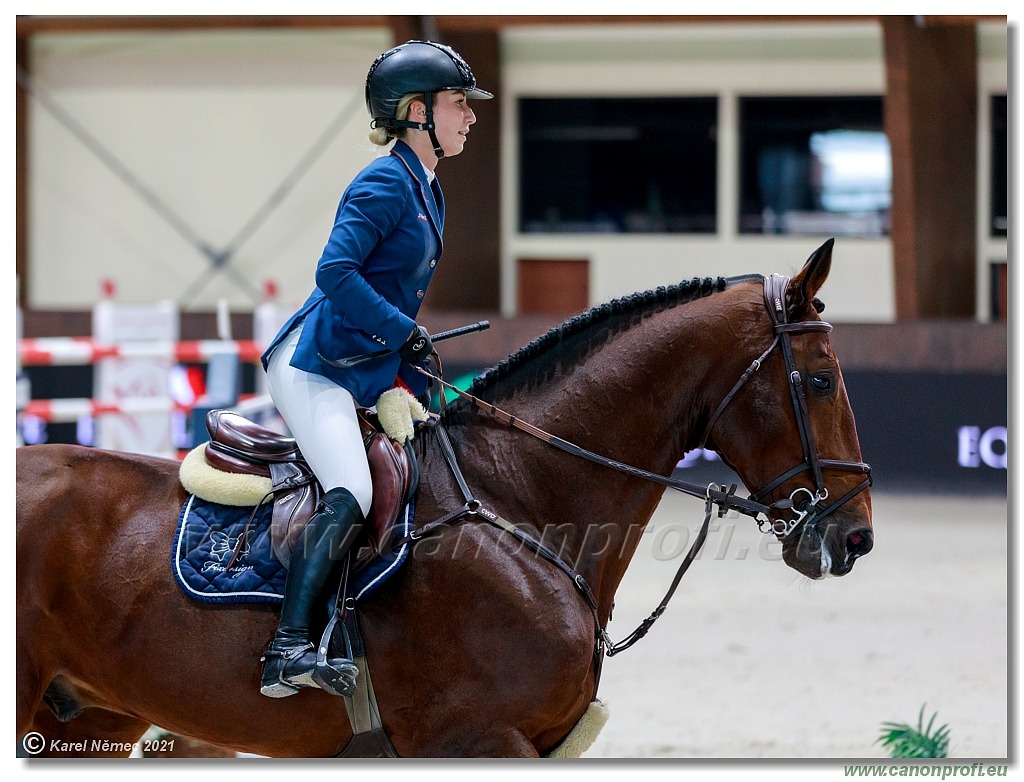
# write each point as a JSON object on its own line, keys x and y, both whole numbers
{"x": 427, "y": 126}
{"x": 429, "y": 100}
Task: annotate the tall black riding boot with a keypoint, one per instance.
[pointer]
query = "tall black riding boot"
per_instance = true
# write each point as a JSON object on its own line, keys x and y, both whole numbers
{"x": 289, "y": 662}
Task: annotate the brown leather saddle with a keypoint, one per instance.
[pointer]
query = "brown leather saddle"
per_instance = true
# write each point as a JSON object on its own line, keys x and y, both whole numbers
{"x": 238, "y": 445}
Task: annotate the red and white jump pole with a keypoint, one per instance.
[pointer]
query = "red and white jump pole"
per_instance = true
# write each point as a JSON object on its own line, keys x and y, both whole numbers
{"x": 76, "y": 351}
{"x": 134, "y": 348}
{"x": 68, "y": 411}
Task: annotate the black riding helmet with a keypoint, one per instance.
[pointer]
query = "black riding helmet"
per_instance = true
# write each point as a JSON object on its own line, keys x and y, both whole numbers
{"x": 416, "y": 66}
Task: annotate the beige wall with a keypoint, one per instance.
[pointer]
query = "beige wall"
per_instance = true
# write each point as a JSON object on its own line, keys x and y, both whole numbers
{"x": 727, "y": 61}
{"x": 213, "y": 123}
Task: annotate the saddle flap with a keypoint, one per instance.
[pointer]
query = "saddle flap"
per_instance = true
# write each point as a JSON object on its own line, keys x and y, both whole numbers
{"x": 296, "y": 494}
{"x": 389, "y": 467}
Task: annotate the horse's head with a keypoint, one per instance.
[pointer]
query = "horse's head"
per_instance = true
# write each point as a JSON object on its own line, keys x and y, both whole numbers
{"x": 788, "y": 431}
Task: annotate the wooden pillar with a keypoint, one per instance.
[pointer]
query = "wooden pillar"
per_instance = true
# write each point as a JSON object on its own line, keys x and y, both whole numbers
{"x": 407, "y": 28}
{"x": 931, "y": 121}
{"x": 469, "y": 275}
{"x": 21, "y": 174}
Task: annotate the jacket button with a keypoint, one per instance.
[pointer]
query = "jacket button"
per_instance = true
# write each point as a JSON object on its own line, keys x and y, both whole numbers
{"x": 433, "y": 264}
{"x": 419, "y": 294}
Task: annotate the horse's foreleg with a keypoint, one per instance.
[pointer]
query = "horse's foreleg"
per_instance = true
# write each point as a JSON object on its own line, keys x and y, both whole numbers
{"x": 505, "y": 744}
{"x": 511, "y": 745}
{"x": 95, "y": 733}
{"x": 29, "y": 695}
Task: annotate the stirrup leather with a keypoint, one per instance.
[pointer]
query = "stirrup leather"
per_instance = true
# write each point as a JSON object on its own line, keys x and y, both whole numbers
{"x": 286, "y": 654}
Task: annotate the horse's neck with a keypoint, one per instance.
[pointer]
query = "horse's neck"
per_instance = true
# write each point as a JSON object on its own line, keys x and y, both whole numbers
{"x": 636, "y": 400}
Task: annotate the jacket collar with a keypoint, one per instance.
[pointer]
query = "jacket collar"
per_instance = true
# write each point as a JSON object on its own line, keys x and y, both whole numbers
{"x": 434, "y": 204}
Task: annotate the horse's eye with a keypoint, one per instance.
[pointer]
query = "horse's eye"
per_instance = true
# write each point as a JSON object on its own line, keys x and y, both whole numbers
{"x": 822, "y": 384}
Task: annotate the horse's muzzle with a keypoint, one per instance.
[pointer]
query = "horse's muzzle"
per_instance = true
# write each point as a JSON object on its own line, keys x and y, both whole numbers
{"x": 858, "y": 543}
{"x": 817, "y": 553}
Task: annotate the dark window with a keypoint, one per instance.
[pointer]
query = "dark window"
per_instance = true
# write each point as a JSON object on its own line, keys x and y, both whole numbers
{"x": 998, "y": 291}
{"x": 999, "y": 184}
{"x": 617, "y": 165}
{"x": 814, "y": 165}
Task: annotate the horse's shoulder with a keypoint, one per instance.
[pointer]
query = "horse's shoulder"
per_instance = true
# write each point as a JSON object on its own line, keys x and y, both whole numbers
{"x": 515, "y": 587}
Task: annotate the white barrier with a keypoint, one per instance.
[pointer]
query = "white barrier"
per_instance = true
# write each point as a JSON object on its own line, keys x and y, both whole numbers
{"x": 117, "y": 378}
{"x": 142, "y": 398}
{"x": 267, "y": 320}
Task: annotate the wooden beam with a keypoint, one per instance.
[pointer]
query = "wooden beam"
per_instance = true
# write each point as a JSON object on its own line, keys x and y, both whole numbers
{"x": 484, "y": 22}
{"x": 31, "y": 25}
{"x": 27, "y": 25}
{"x": 933, "y": 21}
{"x": 931, "y": 121}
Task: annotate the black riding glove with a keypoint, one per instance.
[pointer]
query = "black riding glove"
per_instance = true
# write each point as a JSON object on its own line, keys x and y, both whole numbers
{"x": 417, "y": 347}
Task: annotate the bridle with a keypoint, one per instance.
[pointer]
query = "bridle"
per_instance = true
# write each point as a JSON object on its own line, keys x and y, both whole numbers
{"x": 806, "y": 504}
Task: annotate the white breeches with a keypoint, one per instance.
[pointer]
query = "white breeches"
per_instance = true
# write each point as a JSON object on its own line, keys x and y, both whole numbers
{"x": 321, "y": 416}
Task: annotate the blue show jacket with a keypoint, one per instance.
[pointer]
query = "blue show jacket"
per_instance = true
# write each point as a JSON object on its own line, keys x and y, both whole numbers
{"x": 372, "y": 277}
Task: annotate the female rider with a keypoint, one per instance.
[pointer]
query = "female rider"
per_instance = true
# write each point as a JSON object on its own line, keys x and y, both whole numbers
{"x": 370, "y": 282}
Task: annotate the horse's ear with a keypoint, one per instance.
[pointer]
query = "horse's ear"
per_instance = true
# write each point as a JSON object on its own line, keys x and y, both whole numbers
{"x": 804, "y": 287}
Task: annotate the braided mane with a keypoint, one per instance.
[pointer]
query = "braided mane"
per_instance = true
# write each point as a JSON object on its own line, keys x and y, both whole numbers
{"x": 626, "y": 309}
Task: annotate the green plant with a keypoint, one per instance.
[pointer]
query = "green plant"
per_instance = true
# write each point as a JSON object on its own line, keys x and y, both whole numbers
{"x": 904, "y": 741}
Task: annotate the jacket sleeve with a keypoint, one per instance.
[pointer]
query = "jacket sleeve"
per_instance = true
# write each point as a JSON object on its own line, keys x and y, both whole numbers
{"x": 369, "y": 212}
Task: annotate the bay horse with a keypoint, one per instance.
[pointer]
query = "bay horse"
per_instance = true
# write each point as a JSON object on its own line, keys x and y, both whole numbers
{"x": 477, "y": 648}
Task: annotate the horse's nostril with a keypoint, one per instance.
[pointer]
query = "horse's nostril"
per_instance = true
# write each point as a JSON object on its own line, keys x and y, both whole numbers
{"x": 859, "y": 543}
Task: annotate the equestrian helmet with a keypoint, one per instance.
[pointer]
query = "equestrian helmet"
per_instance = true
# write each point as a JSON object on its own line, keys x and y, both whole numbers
{"x": 415, "y": 66}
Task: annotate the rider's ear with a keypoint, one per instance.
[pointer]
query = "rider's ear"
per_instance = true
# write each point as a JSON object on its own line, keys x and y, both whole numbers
{"x": 803, "y": 288}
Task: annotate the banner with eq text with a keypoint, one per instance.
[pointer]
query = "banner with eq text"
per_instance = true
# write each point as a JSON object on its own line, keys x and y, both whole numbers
{"x": 919, "y": 431}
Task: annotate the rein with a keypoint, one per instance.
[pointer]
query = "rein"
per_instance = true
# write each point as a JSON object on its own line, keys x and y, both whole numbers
{"x": 807, "y": 512}
{"x": 725, "y": 499}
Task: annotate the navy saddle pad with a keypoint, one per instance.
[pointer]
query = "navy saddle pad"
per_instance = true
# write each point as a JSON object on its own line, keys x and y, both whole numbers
{"x": 208, "y": 534}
